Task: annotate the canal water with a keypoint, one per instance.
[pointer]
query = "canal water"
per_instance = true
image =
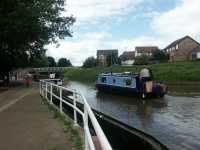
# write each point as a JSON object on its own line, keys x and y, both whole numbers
{"x": 173, "y": 120}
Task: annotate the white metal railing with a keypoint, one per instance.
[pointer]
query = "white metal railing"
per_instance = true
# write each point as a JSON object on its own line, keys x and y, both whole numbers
{"x": 48, "y": 90}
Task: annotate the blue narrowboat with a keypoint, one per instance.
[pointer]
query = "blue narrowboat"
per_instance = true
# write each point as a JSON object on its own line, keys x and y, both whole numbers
{"x": 129, "y": 83}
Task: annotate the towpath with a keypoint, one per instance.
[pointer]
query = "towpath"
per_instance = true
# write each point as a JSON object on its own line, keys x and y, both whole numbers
{"x": 27, "y": 124}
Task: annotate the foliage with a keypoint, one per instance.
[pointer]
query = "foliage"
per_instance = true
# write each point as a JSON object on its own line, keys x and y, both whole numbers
{"x": 41, "y": 61}
{"x": 176, "y": 71}
{"x": 160, "y": 56}
{"x": 112, "y": 59}
{"x": 90, "y": 62}
{"x": 142, "y": 60}
{"x": 26, "y": 26}
{"x": 51, "y": 62}
{"x": 63, "y": 62}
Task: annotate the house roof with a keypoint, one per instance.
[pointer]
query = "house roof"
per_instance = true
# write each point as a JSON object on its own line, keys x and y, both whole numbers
{"x": 107, "y": 52}
{"x": 128, "y": 55}
{"x": 180, "y": 40}
{"x": 146, "y": 49}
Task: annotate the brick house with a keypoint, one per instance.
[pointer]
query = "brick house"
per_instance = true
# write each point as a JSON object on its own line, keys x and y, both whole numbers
{"x": 183, "y": 49}
{"x": 127, "y": 58}
{"x": 102, "y": 56}
{"x": 145, "y": 50}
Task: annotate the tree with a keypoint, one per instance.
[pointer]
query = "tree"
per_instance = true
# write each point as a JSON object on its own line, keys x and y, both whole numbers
{"x": 39, "y": 62}
{"x": 26, "y": 27}
{"x": 112, "y": 59}
{"x": 51, "y": 62}
{"x": 142, "y": 60}
{"x": 160, "y": 56}
{"x": 63, "y": 62}
{"x": 90, "y": 62}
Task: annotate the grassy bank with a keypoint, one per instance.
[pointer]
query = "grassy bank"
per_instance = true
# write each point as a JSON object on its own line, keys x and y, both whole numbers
{"x": 176, "y": 71}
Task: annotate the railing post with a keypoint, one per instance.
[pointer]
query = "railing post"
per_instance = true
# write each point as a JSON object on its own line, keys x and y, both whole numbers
{"x": 85, "y": 127}
{"x": 40, "y": 87}
{"x": 46, "y": 89}
{"x": 61, "y": 110}
{"x": 75, "y": 113}
{"x": 51, "y": 92}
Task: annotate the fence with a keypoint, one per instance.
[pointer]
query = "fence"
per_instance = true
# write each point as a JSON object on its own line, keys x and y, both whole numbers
{"x": 49, "y": 90}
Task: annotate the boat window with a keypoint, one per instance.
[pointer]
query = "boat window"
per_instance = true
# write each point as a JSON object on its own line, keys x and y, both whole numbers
{"x": 128, "y": 82}
{"x": 103, "y": 79}
{"x": 114, "y": 81}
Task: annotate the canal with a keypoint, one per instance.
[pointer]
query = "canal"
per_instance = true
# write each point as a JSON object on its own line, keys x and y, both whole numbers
{"x": 173, "y": 120}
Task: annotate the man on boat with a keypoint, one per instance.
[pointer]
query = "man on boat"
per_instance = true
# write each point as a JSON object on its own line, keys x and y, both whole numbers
{"x": 146, "y": 78}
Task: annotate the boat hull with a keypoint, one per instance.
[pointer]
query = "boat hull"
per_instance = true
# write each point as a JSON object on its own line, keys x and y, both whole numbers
{"x": 117, "y": 89}
{"x": 157, "y": 90}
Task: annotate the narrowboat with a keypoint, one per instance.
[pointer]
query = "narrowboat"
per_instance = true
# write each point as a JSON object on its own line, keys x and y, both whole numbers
{"x": 130, "y": 83}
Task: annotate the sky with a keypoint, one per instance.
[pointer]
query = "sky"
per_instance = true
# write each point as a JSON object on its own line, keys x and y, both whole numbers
{"x": 125, "y": 24}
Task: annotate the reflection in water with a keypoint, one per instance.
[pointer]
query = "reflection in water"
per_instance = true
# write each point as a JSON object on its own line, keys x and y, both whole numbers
{"x": 175, "y": 121}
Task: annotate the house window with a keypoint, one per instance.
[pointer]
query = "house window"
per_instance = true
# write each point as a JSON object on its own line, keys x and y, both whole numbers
{"x": 103, "y": 79}
{"x": 198, "y": 55}
{"x": 194, "y": 56}
{"x": 127, "y": 82}
{"x": 177, "y": 46}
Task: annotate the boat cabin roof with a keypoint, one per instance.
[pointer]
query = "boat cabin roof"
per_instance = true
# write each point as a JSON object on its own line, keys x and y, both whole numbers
{"x": 124, "y": 74}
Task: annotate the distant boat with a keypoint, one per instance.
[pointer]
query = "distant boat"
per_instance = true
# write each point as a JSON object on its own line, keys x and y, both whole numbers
{"x": 129, "y": 83}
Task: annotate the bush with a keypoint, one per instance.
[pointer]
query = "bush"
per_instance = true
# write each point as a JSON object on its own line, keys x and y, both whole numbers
{"x": 142, "y": 60}
{"x": 90, "y": 62}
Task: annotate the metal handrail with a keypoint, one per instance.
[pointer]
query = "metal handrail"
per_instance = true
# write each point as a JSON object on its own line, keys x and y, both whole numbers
{"x": 86, "y": 114}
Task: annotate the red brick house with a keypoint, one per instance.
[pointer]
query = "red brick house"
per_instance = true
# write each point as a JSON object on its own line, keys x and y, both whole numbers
{"x": 183, "y": 49}
{"x": 145, "y": 50}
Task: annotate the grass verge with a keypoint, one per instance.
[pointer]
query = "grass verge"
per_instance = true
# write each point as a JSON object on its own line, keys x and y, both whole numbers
{"x": 175, "y": 71}
{"x": 72, "y": 132}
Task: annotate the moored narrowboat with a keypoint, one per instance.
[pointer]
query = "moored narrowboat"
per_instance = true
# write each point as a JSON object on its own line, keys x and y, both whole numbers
{"x": 131, "y": 83}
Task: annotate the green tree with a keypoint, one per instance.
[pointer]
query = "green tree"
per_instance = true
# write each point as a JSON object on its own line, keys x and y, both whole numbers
{"x": 51, "y": 62}
{"x": 142, "y": 60}
{"x": 160, "y": 56}
{"x": 26, "y": 26}
{"x": 39, "y": 62}
{"x": 90, "y": 62}
{"x": 112, "y": 59}
{"x": 63, "y": 62}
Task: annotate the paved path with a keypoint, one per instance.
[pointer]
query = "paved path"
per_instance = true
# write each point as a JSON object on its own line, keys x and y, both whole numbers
{"x": 27, "y": 124}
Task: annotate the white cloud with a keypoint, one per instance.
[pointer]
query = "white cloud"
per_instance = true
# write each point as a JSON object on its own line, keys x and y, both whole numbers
{"x": 78, "y": 51}
{"x": 89, "y": 10}
{"x": 180, "y": 21}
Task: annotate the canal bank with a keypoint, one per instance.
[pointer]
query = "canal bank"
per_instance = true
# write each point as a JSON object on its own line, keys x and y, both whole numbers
{"x": 172, "y": 120}
{"x": 167, "y": 72}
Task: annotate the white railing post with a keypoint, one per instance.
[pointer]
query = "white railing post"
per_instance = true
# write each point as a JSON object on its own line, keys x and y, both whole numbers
{"x": 85, "y": 127}
{"x": 61, "y": 110}
{"x": 51, "y": 93}
{"x": 40, "y": 87}
{"x": 46, "y": 89}
{"x": 43, "y": 89}
{"x": 87, "y": 113}
{"x": 74, "y": 103}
